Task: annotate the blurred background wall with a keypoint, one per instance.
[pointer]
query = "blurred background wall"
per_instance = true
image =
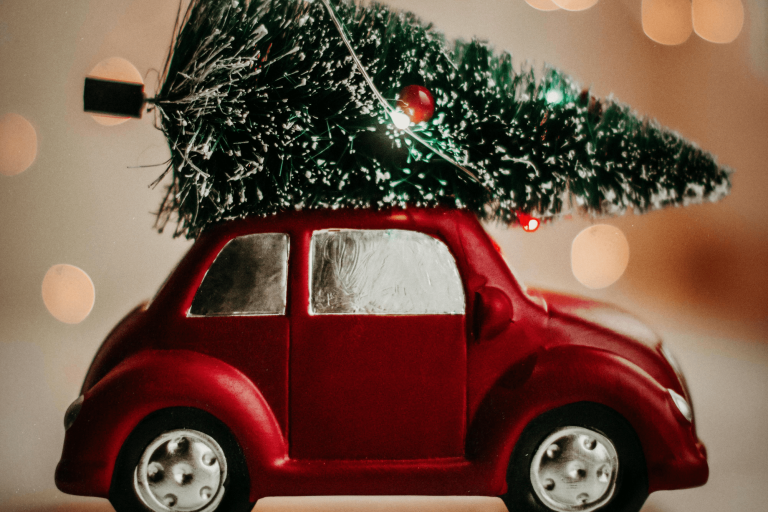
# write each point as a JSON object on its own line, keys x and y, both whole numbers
{"x": 699, "y": 275}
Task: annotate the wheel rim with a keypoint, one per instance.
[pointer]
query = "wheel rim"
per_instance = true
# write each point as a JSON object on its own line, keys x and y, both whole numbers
{"x": 574, "y": 469}
{"x": 181, "y": 471}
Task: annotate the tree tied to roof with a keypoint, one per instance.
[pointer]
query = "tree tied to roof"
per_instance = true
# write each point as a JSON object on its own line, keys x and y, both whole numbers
{"x": 265, "y": 110}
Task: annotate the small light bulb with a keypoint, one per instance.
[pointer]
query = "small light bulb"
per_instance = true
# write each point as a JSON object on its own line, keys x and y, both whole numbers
{"x": 554, "y": 96}
{"x": 400, "y": 119}
{"x": 528, "y": 222}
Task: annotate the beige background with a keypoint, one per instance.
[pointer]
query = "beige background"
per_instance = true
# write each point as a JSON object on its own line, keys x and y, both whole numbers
{"x": 699, "y": 275}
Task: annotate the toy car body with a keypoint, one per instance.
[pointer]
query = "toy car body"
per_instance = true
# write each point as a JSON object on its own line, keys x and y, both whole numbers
{"x": 383, "y": 353}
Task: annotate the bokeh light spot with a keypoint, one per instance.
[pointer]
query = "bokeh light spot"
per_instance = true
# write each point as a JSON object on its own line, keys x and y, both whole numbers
{"x": 574, "y": 5}
{"x": 543, "y": 5}
{"x": 119, "y": 69}
{"x": 718, "y": 21}
{"x": 68, "y": 293}
{"x": 667, "y": 21}
{"x": 18, "y": 144}
{"x": 599, "y": 256}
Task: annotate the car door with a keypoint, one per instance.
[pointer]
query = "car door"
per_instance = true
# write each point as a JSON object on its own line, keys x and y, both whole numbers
{"x": 378, "y": 350}
{"x": 238, "y": 314}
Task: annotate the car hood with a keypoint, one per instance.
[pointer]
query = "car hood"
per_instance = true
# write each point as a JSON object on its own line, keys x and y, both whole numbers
{"x": 599, "y": 314}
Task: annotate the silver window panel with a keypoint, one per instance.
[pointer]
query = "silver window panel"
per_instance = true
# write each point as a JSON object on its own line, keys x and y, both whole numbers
{"x": 383, "y": 272}
{"x": 248, "y": 277}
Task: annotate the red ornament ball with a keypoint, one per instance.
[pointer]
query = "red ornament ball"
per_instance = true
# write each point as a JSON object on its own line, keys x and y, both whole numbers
{"x": 528, "y": 222}
{"x": 417, "y": 103}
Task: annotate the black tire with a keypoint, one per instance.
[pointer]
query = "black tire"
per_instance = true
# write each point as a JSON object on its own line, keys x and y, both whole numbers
{"x": 631, "y": 480}
{"x": 236, "y": 485}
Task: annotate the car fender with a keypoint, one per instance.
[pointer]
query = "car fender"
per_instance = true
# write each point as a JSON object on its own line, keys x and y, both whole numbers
{"x": 153, "y": 380}
{"x": 569, "y": 374}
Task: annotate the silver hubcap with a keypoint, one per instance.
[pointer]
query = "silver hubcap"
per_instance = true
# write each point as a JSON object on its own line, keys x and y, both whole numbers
{"x": 575, "y": 469}
{"x": 182, "y": 470}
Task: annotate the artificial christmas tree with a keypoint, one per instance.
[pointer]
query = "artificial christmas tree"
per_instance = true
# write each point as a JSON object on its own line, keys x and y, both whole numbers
{"x": 290, "y": 104}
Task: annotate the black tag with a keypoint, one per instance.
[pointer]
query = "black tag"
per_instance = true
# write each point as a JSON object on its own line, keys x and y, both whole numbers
{"x": 122, "y": 99}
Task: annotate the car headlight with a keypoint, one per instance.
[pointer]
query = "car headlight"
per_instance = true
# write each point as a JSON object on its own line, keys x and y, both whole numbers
{"x": 72, "y": 411}
{"x": 671, "y": 360}
{"x": 682, "y": 405}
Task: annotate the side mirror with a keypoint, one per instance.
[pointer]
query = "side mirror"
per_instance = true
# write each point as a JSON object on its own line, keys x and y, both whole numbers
{"x": 493, "y": 313}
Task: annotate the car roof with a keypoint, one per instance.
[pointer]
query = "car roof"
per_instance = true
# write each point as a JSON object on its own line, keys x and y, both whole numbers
{"x": 342, "y": 218}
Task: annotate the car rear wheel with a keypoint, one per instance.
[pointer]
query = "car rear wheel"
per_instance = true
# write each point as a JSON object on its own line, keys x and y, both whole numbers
{"x": 181, "y": 460}
{"x": 582, "y": 457}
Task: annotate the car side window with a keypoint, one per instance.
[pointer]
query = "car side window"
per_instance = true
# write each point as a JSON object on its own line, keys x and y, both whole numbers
{"x": 383, "y": 272}
{"x": 248, "y": 277}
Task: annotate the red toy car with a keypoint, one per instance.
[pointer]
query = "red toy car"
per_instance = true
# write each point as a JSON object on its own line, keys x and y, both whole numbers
{"x": 354, "y": 352}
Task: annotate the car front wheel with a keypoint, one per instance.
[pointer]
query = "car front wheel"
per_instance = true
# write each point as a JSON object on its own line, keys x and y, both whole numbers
{"x": 180, "y": 460}
{"x": 582, "y": 457}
